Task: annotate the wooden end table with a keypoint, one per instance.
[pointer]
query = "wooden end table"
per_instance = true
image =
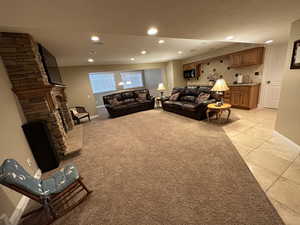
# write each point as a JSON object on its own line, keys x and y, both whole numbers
{"x": 219, "y": 110}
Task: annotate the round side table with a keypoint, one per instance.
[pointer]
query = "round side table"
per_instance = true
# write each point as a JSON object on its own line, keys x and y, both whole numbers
{"x": 219, "y": 110}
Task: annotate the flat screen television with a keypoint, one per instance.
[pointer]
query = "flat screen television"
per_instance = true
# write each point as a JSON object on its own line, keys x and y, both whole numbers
{"x": 50, "y": 66}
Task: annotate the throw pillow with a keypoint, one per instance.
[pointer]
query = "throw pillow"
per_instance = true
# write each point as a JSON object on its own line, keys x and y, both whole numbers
{"x": 142, "y": 96}
{"x": 202, "y": 97}
{"x": 174, "y": 97}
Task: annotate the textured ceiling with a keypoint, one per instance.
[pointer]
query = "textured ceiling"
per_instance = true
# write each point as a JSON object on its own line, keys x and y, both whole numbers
{"x": 64, "y": 27}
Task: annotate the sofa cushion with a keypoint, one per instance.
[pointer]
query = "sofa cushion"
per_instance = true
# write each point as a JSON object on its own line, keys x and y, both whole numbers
{"x": 188, "y": 98}
{"x": 202, "y": 97}
{"x": 177, "y": 89}
{"x": 142, "y": 95}
{"x": 175, "y": 96}
{"x": 128, "y": 100}
{"x": 129, "y": 94}
{"x": 189, "y": 106}
{"x": 174, "y": 104}
{"x": 191, "y": 90}
{"x": 114, "y": 101}
{"x": 204, "y": 89}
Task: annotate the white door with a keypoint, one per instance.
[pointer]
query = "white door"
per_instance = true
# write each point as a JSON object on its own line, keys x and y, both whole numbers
{"x": 272, "y": 94}
{"x": 273, "y": 72}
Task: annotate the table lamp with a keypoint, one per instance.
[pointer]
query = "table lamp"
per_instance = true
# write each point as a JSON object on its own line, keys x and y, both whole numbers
{"x": 219, "y": 87}
{"x": 161, "y": 88}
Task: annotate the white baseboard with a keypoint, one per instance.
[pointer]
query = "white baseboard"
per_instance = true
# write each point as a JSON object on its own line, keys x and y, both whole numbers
{"x": 286, "y": 140}
{"x": 94, "y": 116}
{"x": 19, "y": 210}
{"x": 4, "y": 220}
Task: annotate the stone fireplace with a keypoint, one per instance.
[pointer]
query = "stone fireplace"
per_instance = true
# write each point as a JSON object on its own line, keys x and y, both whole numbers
{"x": 39, "y": 99}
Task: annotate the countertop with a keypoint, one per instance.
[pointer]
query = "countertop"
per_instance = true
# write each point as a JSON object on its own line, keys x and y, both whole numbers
{"x": 244, "y": 84}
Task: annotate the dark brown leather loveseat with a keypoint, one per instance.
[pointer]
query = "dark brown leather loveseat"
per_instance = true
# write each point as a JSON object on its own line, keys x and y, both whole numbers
{"x": 126, "y": 102}
{"x": 186, "y": 103}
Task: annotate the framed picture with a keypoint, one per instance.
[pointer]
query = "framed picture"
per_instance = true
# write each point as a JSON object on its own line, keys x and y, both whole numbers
{"x": 296, "y": 56}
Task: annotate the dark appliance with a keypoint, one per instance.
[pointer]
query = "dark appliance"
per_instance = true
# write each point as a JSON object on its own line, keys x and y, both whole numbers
{"x": 50, "y": 66}
{"x": 42, "y": 147}
{"x": 187, "y": 74}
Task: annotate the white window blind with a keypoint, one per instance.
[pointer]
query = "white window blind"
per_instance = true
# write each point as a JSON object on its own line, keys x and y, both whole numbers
{"x": 102, "y": 82}
{"x": 132, "y": 79}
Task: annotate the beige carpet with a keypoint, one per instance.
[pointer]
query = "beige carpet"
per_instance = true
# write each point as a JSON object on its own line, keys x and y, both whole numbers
{"x": 155, "y": 167}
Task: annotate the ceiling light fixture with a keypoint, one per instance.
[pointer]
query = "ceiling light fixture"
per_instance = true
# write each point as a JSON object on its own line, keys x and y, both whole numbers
{"x": 143, "y": 52}
{"x": 268, "y": 41}
{"x": 161, "y": 41}
{"x": 95, "y": 38}
{"x": 229, "y": 38}
{"x": 90, "y": 60}
{"x": 132, "y": 59}
{"x": 152, "y": 31}
{"x": 179, "y": 52}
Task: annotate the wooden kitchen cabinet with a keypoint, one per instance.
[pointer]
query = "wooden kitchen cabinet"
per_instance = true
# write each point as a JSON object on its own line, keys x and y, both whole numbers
{"x": 242, "y": 96}
{"x": 247, "y": 57}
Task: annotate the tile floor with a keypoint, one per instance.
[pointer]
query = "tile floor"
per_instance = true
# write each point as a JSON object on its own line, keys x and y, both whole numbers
{"x": 274, "y": 163}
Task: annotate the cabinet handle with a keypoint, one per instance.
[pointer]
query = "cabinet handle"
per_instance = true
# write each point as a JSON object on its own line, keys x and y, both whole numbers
{"x": 268, "y": 82}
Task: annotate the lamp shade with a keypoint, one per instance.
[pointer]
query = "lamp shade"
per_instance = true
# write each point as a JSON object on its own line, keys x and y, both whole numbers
{"x": 161, "y": 87}
{"x": 220, "y": 85}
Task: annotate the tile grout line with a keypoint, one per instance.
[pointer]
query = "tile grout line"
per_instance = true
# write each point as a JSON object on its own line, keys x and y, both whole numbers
{"x": 280, "y": 176}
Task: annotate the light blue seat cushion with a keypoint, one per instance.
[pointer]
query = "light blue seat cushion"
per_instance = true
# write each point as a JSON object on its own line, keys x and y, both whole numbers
{"x": 11, "y": 172}
{"x": 60, "y": 180}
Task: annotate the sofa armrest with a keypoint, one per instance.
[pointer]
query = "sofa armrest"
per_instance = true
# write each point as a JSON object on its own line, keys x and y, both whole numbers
{"x": 209, "y": 101}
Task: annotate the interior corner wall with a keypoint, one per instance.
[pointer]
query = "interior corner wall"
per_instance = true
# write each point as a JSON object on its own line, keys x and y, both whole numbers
{"x": 175, "y": 74}
{"x": 288, "y": 119}
{"x": 13, "y": 142}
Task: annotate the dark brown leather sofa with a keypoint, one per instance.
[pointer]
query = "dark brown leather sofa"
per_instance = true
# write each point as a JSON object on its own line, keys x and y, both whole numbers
{"x": 186, "y": 104}
{"x": 126, "y": 102}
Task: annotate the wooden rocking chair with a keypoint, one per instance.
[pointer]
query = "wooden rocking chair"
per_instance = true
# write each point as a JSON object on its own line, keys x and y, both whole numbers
{"x": 58, "y": 194}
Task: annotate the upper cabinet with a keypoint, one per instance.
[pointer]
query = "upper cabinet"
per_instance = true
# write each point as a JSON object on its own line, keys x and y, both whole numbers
{"x": 247, "y": 57}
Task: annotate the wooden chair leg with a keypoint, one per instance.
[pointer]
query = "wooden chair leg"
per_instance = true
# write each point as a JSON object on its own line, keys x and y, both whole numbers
{"x": 83, "y": 185}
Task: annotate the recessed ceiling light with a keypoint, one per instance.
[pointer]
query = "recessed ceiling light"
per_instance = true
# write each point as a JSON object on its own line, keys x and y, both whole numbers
{"x": 179, "y": 52}
{"x": 161, "y": 41}
{"x": 95, "y": 38}
{"x": 268, "y": 41}
{"x": 229, "y": 38}
{"x": 90, "y": 60}
{"x": 152, "y": 31}
{"x": 143, "y": 52}
{"x": 132, "y": 59}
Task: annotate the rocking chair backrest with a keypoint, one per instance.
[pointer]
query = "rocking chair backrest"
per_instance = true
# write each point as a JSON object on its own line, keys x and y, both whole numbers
{"x": 12, "y": 173}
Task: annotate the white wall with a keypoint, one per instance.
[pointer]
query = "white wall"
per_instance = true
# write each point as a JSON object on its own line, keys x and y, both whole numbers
{"x": 13, "y": 142}
{"x": 288, "y": 120}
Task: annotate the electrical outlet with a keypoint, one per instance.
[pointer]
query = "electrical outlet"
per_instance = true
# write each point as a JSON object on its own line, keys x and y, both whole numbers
{"x": 29, "y": 162}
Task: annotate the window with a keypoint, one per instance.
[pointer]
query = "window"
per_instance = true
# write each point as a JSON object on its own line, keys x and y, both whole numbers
{"x": 132, "y": 79}
{"x": 102, "y": 82}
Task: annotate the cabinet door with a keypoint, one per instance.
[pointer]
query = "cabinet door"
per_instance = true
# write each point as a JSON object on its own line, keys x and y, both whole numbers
{"x": 250, "y": 57}
{"x": 245, "y": 97}
{"x": 235, "y": 98}
{"x": 235, "y": 60}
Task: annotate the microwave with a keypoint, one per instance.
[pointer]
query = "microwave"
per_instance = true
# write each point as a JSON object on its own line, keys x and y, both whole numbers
{"x": 189, "y": 73}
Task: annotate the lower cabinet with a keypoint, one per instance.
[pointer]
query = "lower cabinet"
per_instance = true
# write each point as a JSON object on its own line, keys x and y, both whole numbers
{"x": 242, "y": 96}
